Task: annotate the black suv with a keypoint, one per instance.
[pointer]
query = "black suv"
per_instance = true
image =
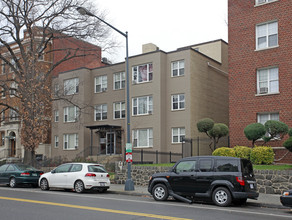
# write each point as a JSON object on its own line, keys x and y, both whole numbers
{"x": 224, "y": 179}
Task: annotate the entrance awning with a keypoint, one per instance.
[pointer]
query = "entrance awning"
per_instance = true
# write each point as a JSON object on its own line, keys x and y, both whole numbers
{"x": 102, "y": 127}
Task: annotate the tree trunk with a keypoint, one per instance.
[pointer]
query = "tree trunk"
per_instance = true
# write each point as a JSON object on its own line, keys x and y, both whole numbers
{"x": 29, "y": 157}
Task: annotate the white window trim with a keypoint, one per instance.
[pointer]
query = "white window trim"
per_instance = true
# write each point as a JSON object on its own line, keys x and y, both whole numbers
{"x": 178, "y": 109}
{"x": 269, "y": 118}
{"x": 268, "y": 80}
{"x": 135, "y": 74}
{"x": 149, "y": 137}
{"x": 56, "y": 115}
{"x": 149, "y": 110}
{"x": 66, "y": 114}
{"x": 178, "y": 69}
{"x": 120, "y": 109}
{"x": 56, "y": 141}
{"x": 256, "y": 35}
{"x": 120, "y": 81}
{"x": 102, "y": 112}
{"x": 66, "y": 141}
{"x": 75, "y": 89}
{"x": 103, "y": 86}
{"x": 179, "y": 134}
{"x": 264, "y": 3}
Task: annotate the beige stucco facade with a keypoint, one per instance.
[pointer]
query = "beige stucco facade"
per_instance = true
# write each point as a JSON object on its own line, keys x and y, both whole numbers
{"x": 204, "y": 85}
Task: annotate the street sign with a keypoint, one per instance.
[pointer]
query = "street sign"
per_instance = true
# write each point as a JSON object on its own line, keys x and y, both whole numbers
{"x": 129, "y": 157}
{"x": 129, "y": 147}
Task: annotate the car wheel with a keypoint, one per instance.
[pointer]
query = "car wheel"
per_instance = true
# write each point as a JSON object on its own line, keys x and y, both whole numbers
{"x": 44, "y": 184}
{"x": 79, "y": 186}
{"x": 160, "y": 192}
{"x": 221, "y": 197}
{"x": 12, "y": 182}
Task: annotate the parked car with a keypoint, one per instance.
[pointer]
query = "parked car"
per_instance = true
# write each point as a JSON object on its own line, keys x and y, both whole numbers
{"x": 16, "y": 174}
{"x": 76, "y": 176}
{"x": 224, "y": 179}
{"x": 286, "y": 198}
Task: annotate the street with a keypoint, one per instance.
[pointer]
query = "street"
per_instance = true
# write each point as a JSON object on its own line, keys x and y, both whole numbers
{"x": 33, "y": 204}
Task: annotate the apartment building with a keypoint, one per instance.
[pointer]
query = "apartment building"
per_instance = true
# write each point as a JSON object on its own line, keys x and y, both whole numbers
{"x": 169, "y": 93}
{"x": 10, "y": 127}
{"x": 260, "y": 48}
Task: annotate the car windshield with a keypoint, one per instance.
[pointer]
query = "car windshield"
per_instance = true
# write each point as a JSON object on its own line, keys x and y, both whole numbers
{"x": 25, "y": 167}
{"x": 96, "y": 169}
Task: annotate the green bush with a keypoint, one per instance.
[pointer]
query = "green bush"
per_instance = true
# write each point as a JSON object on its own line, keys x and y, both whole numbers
{"x": 262, "y": 155}
{"x": 290, "y": 132}
{"x": 288, "y": 144}
{"x": 242, "y": 152}
{"x": 224, "y": 151}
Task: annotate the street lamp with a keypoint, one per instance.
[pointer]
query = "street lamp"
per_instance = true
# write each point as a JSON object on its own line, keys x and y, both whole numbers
{"x": 129, "y": 185}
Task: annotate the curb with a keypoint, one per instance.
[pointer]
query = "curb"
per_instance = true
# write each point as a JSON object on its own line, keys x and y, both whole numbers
{"x": 249, "y": 203}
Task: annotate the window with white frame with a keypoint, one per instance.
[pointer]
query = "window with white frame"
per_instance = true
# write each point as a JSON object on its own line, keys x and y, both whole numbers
{"x": 70, "y": 141}
{"x": 3, "y": 93}
{"x": 264, "y": 117}
{"x": 178, "y": 102}
{"x": 260, "y": 2}
{"x": 56, "y": 115}
{"x": 142, "y": 73}
{"x": 13, "y": 89}
{"x": 4, "y": 67}
{"x": 268, "y": 80}
{"x": 13, "y": 63}
{"x": 119, "y": 110}
{"x": 56, "y": 141}
{"x": 143, "y": 137}
{"x": 56, "y": 89}
{"x": 178, "y": 134}
{"x": 13, "y": 115}
{"x": 267, "y": 35}
{"x": 100, "y": 112}
{"x": 178, "y": 68}
{"x": 71, "y": 114}
{"x": 119, "y": 80}
{"x": 71, "y": 86}
{"x": 100, "y": 84}
{"x": 142, "y": 105}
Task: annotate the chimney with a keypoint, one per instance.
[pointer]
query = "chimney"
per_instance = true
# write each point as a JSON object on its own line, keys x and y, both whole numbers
{"x": 147, "y": 48}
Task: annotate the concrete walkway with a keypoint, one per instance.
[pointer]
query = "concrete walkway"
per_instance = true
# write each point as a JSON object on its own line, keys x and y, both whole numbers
{"x": 264, "y": 200}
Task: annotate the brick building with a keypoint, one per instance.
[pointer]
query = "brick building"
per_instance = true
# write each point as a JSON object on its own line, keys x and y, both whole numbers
{"x": 260, "y": 50}
{"x": 56, "y": 50}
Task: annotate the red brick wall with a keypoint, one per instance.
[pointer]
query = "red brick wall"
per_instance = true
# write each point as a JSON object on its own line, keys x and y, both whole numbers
{"x": 92, "y": 58}
{"x": 244, "y": 61}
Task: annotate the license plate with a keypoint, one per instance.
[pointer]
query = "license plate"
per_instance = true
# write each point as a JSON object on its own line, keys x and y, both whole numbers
{"x": 34, "y": 174}
{"x": 102, "y": 184}
{"x": 251, "y": 186}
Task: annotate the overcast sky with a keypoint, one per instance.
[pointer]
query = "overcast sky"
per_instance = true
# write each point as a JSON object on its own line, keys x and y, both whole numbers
{"x": 169, "y": 24}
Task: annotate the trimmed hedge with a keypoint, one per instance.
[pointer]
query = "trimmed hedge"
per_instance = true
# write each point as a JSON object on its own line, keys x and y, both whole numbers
{"x": 242, "y": 152}
{"x": 262, "y": 155}
{"x": 224, "y": 151}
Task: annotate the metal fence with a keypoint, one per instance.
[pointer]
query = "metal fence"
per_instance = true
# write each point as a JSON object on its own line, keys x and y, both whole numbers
{"x": 150, "y": 157}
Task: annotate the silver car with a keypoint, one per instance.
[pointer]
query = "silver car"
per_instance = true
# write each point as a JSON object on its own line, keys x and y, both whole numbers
{"x": 76, "y": 176}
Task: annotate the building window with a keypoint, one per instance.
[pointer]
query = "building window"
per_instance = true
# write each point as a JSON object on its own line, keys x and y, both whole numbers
{"x": 56, "y": 141}
{"x": 267, "y": 35}
{"x": 264, "y": 117}
{"x": 178, "y": 68}
{"x": 56, "y": 114}
{"x": 71, "y": 86}
{"x": 3, "y": 93}
{"x": 268, "y": 81}
{"x": 143, "y": 137}
{"x": 119, "y": 110}
{"x": 100, "y": 84}
{"x": 2, "y": 136}
{"x": 71, "y": 114}
{"x": 178, "y": 102}
{"x": 13, "y": 89}
{"x": 260, "y": 2}
{"x": 13, "y": 115}
{"x": 56, "y": 89}
{"x": 142, "y": 73}
{"x": 119, "y": 80}
{"x": 4, "y": 67}
{"x": 100, "y": 112}
{"x": 178, "y": 134}
{"x": 142, "y": 105}
{"x": 70, "y": 141}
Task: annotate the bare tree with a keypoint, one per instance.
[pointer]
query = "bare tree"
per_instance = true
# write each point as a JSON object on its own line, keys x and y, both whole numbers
{"x": 33, "y": 32}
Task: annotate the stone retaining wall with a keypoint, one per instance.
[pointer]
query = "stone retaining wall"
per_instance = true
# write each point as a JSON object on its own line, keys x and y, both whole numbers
{"x": 268, "y": 181}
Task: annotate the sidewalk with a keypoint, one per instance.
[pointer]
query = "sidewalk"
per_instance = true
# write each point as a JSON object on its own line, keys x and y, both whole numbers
{"x": 264, "y": 200}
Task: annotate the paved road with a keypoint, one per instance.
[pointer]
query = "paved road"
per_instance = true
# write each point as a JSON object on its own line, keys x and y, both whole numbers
{"x": 34, "y": 204}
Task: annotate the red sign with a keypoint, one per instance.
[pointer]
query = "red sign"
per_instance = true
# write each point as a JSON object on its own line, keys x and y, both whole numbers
{"x": 129, "y": 157}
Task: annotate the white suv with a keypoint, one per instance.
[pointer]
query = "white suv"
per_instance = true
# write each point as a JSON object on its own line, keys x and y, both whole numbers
{"x": 76, "y": 176}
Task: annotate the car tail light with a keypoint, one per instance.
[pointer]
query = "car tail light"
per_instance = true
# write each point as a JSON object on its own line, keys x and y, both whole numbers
{"x": 25, "y": 174}
{"x": 286, "y": 194}
{"x": 240, "y": 180}
{"x": 108, "y": 176}
{"x": 90, "y": 175}
{"x": 41, "y": 173}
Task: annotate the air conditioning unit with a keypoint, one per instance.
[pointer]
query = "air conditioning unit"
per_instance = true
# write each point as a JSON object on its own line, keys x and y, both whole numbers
{"x": 103, "y": 89}
{"x": 150, "y": 112}
{"x": 264, "y": 90}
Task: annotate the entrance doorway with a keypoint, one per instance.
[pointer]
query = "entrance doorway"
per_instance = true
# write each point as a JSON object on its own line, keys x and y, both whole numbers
{"x": 110, "y": 143}
{"x": 12, "y": 145}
